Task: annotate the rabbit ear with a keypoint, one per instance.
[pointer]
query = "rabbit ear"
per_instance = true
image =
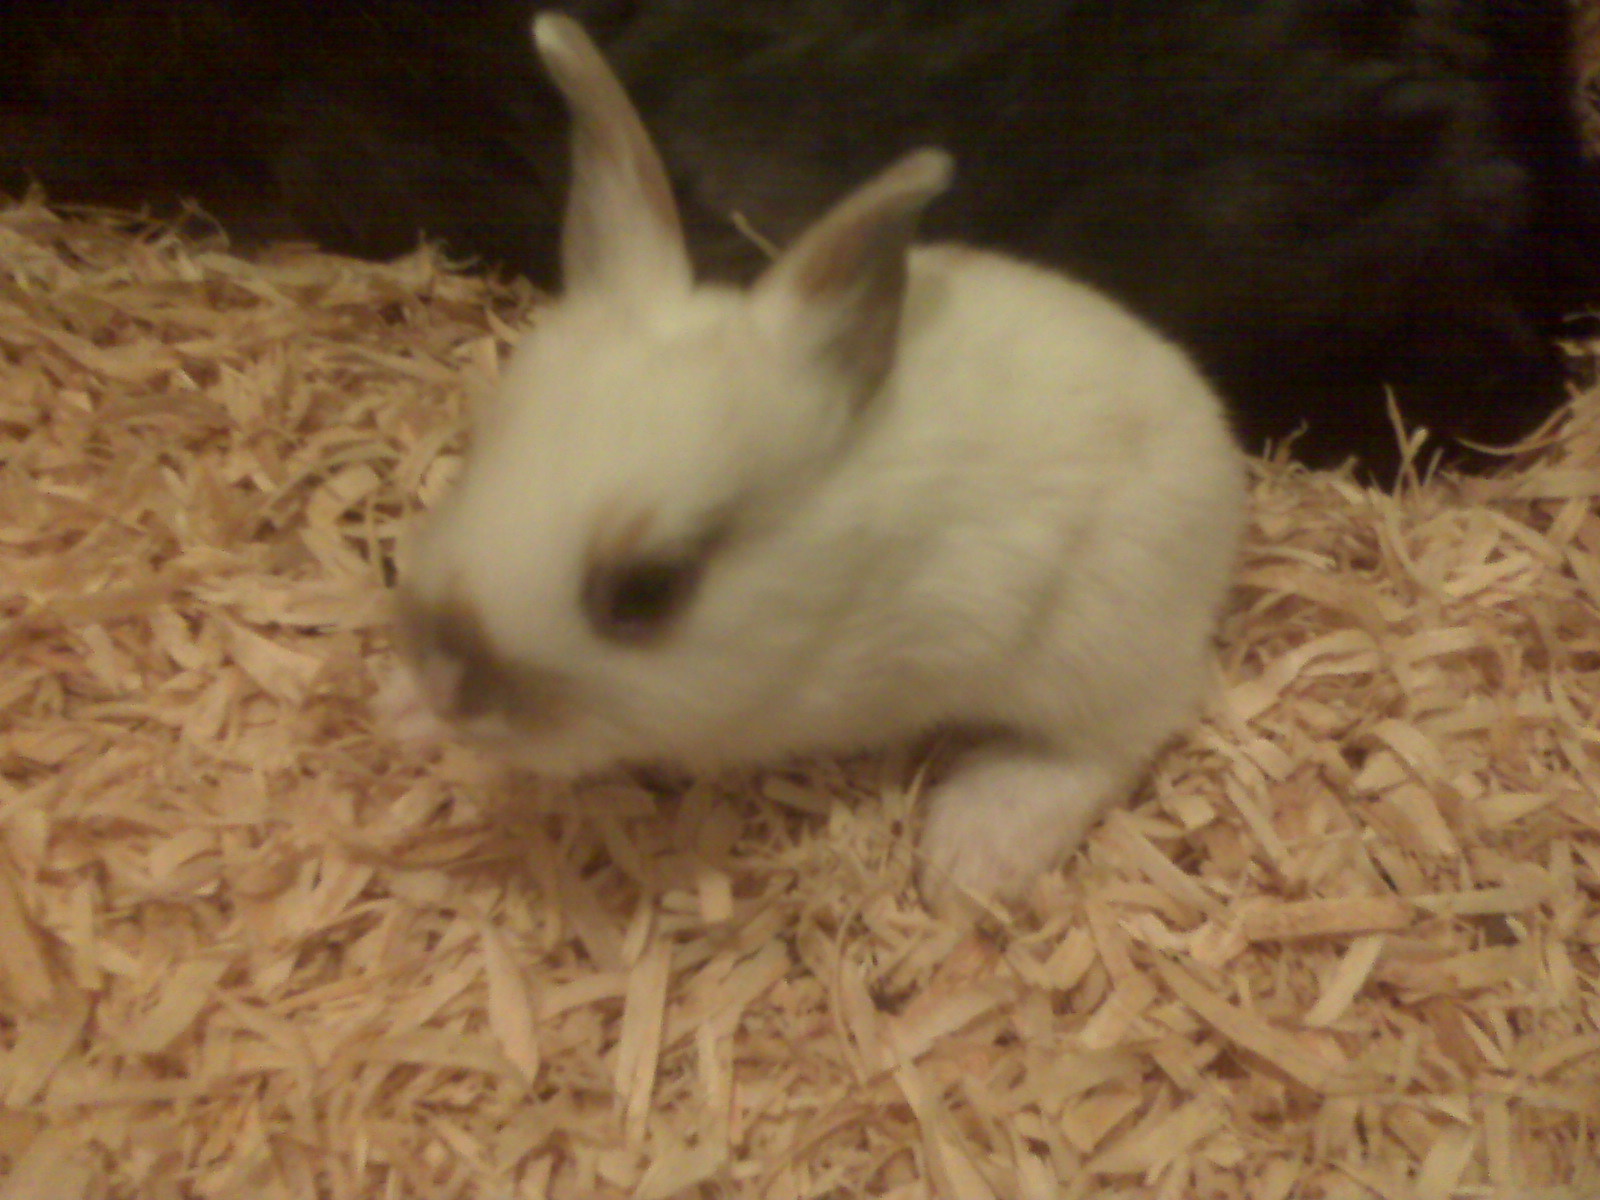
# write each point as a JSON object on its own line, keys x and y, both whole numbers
{"x": 622, "y": 232}
{"x": 841, "y": 287}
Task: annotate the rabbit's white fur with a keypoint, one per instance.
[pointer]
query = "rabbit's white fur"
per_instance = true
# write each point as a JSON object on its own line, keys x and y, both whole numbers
{"x": 1017, "y": 511}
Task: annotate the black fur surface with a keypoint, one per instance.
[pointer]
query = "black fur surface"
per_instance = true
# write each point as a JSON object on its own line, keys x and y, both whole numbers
{"x": 1321, "y": 198}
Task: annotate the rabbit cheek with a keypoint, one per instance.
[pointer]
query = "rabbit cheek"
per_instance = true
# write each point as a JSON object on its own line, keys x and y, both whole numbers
{"x": 465, "y": 682}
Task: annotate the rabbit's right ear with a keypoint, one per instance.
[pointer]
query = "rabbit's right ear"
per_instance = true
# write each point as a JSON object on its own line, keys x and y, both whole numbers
{"x": 622, "y": 234}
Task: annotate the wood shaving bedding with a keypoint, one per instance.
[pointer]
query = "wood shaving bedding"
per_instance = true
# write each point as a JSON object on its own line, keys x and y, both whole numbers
{"x": 254, "y": 941}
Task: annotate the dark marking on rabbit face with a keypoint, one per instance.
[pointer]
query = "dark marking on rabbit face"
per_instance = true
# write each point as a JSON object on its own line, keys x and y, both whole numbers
{"x": 465, "y": 679}
{"x": 635, "y": 593}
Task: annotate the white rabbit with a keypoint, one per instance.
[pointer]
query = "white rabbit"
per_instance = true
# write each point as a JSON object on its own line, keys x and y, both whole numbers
{"x": 881, "y": 492}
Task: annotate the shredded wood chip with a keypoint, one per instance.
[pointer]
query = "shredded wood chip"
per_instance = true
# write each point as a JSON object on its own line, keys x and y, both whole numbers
{"x": 264, "y": 931}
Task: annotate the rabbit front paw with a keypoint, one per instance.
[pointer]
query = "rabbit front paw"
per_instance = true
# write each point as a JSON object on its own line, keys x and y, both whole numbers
{"x": 1004, "y": 818}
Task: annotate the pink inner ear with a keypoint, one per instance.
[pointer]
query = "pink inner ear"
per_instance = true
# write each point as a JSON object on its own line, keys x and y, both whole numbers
{"x": 655, "y": 189}
{"x": 844, "y": 281}
{"x": 848, "y": 279}
{"x": 866, "y": 317}
{"x": 834, "y": 263}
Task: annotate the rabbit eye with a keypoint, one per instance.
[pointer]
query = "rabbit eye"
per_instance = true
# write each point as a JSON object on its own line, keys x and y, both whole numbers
{"x": 634, "y": 602}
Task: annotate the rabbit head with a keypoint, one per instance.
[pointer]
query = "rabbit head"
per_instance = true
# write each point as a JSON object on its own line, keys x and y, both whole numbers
{"x": 626, "y": 569}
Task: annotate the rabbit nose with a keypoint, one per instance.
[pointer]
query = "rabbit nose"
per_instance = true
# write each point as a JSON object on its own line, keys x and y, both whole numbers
{"x": 461, "y": 675}
{"x": 445, "y": 647}
{"x": 440, "y": 679}
{"x": 466, "y": 686}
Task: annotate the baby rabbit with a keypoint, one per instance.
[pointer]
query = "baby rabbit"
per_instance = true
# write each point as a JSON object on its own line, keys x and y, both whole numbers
{"x": 879, "y": 492}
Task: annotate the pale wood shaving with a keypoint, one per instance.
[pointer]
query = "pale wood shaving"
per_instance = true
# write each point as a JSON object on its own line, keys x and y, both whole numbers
{"x": 260, "y": 937}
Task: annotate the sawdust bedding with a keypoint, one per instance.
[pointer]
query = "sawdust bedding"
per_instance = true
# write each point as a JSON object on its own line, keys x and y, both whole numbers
{"x": 252, "y": 944}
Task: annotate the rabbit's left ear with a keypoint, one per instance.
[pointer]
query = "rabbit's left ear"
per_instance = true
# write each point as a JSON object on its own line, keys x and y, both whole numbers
{"x": 841, "y": 287}
{"x": 622, "y": 234}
